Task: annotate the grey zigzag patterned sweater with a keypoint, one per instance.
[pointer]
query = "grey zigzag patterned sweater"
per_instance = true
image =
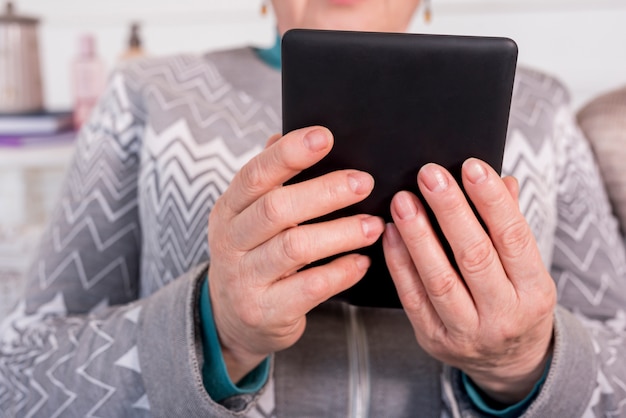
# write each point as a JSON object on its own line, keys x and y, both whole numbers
{"x": 109, "y": 326}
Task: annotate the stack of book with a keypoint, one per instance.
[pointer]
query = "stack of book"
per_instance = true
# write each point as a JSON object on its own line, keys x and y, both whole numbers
{"x": 36, "y": 128}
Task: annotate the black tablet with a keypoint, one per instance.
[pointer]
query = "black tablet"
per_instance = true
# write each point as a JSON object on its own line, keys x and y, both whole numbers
{"x": 395, "y": 102}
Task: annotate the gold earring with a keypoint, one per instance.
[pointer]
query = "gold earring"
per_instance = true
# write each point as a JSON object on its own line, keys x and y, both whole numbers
{"x": 428, "y": 12}
{"x": 263, "y": 8}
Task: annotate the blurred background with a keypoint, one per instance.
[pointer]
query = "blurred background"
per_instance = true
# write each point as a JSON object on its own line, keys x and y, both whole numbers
{"x": 582, "y": 42}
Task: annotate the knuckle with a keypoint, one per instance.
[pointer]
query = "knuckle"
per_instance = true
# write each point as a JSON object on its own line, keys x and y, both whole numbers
{"x": 253, "y": 175}
{"x": 411, "y": 302}
{"x": 334, "y": 192}
{"x": 219, "y": 239}
{"x": 348, "y": 271}
{"x": 435, "y": 343}
{"x": 316, "y": 287}
{"x": 273, "y": 207}
{"x": 545, "y": 305}
{"x": 294, "y": 246}
{"x": 414, "y": 301}
{"x": 443, "y": 284}
{"x": 515, "y": 236}
{"x": 217, "y": 211}
{"x": 332, "y": 189}
{"x": 477, "y": 257}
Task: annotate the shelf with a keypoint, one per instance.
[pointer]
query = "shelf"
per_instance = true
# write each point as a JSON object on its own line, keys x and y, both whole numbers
{"x": 36, "y": 156}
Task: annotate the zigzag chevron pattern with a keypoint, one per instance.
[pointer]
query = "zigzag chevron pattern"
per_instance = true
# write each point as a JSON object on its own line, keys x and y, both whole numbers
{"x": 60, "y": 386}
{"x": 124, "y": 171}
{"x": 180, "y": 181}
{"x": 161, "y": 148}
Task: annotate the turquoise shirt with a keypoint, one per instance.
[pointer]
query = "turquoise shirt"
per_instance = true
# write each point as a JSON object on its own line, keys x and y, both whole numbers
{"x": 271, "y": 56}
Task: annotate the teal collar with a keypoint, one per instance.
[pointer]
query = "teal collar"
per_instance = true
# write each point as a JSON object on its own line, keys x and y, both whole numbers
{"x": 271, "y": 55}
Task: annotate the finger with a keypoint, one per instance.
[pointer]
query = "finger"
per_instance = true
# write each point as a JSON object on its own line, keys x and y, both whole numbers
{"x": 297, "y": 247}
{"x": 508, "y": 229}
{"x": 295, "y": 151}
{"x": 473, "y": 251}
{"x": 303, "y": 291}
{"x": 444, "y": 287}
{"x": 408, "y": 284}
{"x": 272, "y": 139}
{"x": 512, "y": 186}
{"x": 288, "y": 206}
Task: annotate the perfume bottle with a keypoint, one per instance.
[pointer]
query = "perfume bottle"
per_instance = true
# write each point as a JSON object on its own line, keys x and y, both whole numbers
{"x": 134, "y": 48}
{"x": 88, "y": 79}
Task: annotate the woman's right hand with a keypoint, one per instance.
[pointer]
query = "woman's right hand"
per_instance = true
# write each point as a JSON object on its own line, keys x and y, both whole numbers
{"x": 258, "y": 245}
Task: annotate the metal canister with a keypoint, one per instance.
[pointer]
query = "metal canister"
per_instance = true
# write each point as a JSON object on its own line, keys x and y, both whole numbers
{"x": 21, "y": 89}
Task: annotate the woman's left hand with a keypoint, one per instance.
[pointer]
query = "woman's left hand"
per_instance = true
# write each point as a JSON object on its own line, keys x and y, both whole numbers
{"x": 493, "y": 321}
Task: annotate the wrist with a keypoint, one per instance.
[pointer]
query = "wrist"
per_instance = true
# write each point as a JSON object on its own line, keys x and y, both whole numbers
{"x": 488, "y": 406}
{"x": 240, "y": 365}
{"x": 237, "y": 360}
{"x": 509, "y": 385}
{"x": 218, "y": 380}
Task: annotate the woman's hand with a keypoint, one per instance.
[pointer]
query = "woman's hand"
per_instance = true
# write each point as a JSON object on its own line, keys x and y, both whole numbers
{"x": 257, "y": 246}
{"x": 494, "y": 321}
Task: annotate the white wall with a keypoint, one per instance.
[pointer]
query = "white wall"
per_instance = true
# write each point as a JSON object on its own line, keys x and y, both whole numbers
{"x": 581, "y": 41}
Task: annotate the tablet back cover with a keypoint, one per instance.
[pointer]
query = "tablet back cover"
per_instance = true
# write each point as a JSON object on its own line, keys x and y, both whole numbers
{"x": 395, "y": 102}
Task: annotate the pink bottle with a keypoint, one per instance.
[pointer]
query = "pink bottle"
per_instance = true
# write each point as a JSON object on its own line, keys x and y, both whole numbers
{"x": 88, "y": 79}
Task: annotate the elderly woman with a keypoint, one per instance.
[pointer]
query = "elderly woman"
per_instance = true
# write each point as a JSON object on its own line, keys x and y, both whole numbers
{"x": 125, "y": 316}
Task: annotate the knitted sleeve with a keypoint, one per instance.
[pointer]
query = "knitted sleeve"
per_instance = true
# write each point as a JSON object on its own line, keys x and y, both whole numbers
{"x": 80, "y": 343}
{"x": 589, "y": 267}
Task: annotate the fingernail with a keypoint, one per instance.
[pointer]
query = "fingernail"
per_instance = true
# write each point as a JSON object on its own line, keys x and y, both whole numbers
{"x": 316, "y": 140}
{"x": 392, "y": 234}
{"x": 433, "y": 178}
{"x": 371, "y": 226}
{"x": 363, "y": 262}
{"x": 405, "y": 206}
{"x": 474, "y": 171}
{"x": 360, "y": 183}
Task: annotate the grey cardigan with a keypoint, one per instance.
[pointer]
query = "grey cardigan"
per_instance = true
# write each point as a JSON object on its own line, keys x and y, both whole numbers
{"x": 109, "y": 325}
